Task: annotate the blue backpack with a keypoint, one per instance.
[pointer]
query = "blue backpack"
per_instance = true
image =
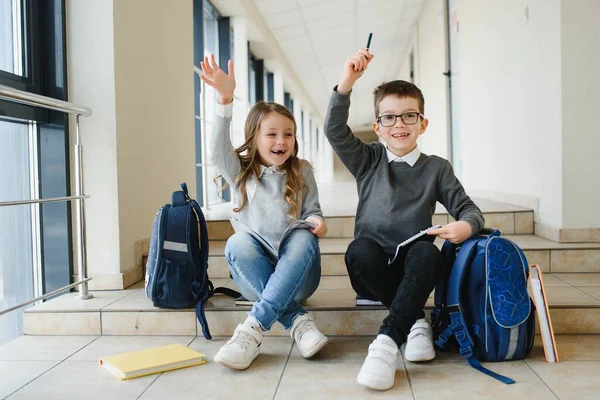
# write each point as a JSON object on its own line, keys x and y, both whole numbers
{"x": 482, "y": 303}
{"x": 177, "y": 267}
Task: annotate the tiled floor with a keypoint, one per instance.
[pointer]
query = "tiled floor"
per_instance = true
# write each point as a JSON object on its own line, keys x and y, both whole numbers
{"x": 60, "y": 367}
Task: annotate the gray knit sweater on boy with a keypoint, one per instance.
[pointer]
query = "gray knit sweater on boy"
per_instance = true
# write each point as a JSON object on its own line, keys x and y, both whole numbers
{"x": 395, "y": 200}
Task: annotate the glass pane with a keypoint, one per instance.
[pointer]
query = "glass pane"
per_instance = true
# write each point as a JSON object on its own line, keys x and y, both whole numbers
{"x": 10, "y": 36}
{"x": 16, "y": 254}
{"x": 211, "y": 46}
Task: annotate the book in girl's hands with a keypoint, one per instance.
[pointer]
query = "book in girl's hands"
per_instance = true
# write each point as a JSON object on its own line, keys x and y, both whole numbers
{"x": 543, "y": 312}
{"x": 151, "y": 361}
{"x": 412, "y": 239}
{"x": 297, "y": 224}
{"x": 363, "y": 301}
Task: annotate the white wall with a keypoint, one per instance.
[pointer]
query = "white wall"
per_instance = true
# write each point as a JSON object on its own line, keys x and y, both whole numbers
{"x": 430, "y": 54}
{"x": 132, "y": 63}
{"x": 581, "y": 103}
{"x": 90, "y": 51}
{"x": 510, "y": 105}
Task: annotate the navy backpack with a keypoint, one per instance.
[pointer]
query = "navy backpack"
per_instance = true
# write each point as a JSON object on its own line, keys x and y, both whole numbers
{"x": 177, "y": 267}
{"x": 482, "y": 303}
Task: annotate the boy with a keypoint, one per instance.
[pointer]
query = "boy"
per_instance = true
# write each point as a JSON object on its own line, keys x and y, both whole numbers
{"x": 398, "y": 187}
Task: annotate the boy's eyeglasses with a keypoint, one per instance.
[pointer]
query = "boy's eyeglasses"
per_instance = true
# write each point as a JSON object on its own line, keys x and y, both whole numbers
{"x": 409, "y": 118}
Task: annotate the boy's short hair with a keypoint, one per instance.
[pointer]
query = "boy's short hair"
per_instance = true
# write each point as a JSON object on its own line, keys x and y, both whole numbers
{"x": 400, "y": 89}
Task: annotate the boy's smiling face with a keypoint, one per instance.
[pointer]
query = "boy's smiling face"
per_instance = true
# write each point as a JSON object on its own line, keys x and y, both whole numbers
{"x": 400, "y": 138}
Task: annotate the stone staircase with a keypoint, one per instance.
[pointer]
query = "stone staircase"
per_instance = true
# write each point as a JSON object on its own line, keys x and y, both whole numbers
{"x": 572, "y": 279}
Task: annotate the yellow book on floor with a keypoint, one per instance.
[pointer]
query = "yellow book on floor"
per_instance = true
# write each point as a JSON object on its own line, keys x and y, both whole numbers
{"x": 151, "y": 361}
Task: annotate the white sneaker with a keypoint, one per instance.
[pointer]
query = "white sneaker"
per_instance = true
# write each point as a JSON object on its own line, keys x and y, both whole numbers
{"x": 307, "y": 336}
{"x": 242, "y": 348}
{"x": 379, "y": 369}
{"x": 419, "y": 344}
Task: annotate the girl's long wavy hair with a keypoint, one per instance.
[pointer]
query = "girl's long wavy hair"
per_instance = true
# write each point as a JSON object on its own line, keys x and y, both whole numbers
{"x": 250, "y": 159}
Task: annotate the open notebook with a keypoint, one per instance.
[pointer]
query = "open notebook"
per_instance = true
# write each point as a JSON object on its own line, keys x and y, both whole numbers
{"x": 151, "y": 361}
{"x": 543, "y": 313}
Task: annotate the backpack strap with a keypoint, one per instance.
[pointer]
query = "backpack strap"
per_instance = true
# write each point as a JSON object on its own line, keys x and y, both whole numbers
{"x": 205, "y": 287}
{"x": 440, "y": 314}
{"x": 458, "y": 326}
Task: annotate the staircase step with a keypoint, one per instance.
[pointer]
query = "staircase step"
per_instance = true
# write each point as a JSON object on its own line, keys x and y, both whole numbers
{"x": 509, "y": 219}
{"x": 549, "y": 255}
{"x": 574, "y": 305}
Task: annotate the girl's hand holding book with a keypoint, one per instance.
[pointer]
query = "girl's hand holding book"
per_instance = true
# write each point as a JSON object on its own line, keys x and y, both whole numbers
{"x": 320, "y": 228}
{"x": 222, "y": 82}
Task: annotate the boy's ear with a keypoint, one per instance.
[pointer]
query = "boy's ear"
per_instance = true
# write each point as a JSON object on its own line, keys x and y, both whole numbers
{"x": 375, "y": 127}
{"x": 424, "y": 124}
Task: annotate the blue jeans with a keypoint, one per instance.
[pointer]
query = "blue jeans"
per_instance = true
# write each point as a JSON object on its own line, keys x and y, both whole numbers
{"x": 277, "y": 286}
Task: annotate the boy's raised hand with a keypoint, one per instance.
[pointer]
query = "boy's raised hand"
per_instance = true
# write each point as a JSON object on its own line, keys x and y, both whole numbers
{"x": 212, "y": 75}
{"x": 456, "y": 232}
{"x": 353, "y": 69}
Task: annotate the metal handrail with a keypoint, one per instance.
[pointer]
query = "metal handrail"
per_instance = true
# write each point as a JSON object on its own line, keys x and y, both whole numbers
{"x": 44, "y": 296}
{"x": 18, "y": 96}
{"x": 36, "y": 100}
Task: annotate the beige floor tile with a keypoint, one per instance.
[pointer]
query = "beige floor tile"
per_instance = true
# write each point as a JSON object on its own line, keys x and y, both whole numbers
{"x": 539, "y": 257}
{"x": 569, "y": 296}
{"x": 335, "y": 282}
{"x": 62, "y": 323}
{"x": 83, "y": 379}
{"x": 575, "y": 321}
{"x": 577, "y": 380}
{"x": 524, "y": 223}
{"x": 333, "y": 264}
{"x": 217, "y": 267}
{"x": 570, "y": 348}
{"x": 213, "y": 381}
{"x": 71, "y": 301}
{"x": 223, "y": 323}
{"x": 503, "y": 221}
{"x": 149, "y": 323}
{"x": 272, "y": 350}
{"x": 580, "y": 279}
{"x": 340, "y": 227}
{"x": 460, "y": 381}
{"x": 334, "y": 381}
{"x": 109, "y": 345}
{"x": 350, "y": 323}
{"x": 44, "y": 348}
{"x": 16, "y": 374}
{"x": 340, "y": 349}
{"x": 575, "y": 261}
{"x": 592, "y": 291}
{"x": 331, "y": 298}
{"x": 551, "y": 280}
{"x": 137, "y": 301}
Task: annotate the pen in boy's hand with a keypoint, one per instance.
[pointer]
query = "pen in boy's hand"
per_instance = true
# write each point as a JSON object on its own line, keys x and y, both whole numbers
{"x": 369, "y": 40}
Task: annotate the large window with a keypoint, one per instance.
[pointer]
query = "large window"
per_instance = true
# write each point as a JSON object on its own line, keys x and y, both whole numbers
{"x": 212, "y": 35}
{"x": 35, "y": 240}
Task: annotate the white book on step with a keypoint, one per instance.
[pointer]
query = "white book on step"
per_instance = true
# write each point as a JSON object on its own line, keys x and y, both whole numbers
{"x": 543, "y": 313}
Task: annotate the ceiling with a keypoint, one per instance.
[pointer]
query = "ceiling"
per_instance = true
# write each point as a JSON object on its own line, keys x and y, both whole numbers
{"x": 316, "y": 37}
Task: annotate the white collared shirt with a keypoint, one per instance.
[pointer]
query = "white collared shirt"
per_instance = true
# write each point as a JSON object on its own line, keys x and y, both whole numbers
{"x": 410, "y": 158}
{"x": 272, "y": 169}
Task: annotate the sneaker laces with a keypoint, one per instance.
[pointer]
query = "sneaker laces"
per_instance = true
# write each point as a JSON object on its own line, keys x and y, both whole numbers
{"x": 242, "y": 338}
{"x": 303, "y": 327}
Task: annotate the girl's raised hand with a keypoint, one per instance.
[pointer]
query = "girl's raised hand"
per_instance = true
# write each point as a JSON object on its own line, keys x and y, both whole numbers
{"x": 212, "y": 75}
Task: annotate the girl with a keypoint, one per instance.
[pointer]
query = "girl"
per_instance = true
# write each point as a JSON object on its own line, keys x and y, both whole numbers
{"x": 272, "y": 189}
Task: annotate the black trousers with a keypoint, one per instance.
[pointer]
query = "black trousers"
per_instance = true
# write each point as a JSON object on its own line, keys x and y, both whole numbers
{"x": 403, "y": 287}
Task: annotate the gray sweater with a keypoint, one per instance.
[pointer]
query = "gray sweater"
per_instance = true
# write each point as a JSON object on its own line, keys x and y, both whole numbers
{"x": 396, "y": 200}
{"x": 265, "y": 215}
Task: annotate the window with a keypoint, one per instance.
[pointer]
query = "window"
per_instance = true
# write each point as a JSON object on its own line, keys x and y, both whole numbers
{"x": 270, "y": 86}
{"x": 256, "y": 78}
{"x": 288, "y": 101}
{"x": 35, "y": 240}
{"x": 212, "y": 35}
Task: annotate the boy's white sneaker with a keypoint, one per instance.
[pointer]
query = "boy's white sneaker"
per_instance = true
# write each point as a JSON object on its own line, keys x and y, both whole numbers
{"x": 379, "y": 369}
{"x": 419, "y": 344}
{"x": 307, "y": 336}
{"x": 242, "y": 348}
